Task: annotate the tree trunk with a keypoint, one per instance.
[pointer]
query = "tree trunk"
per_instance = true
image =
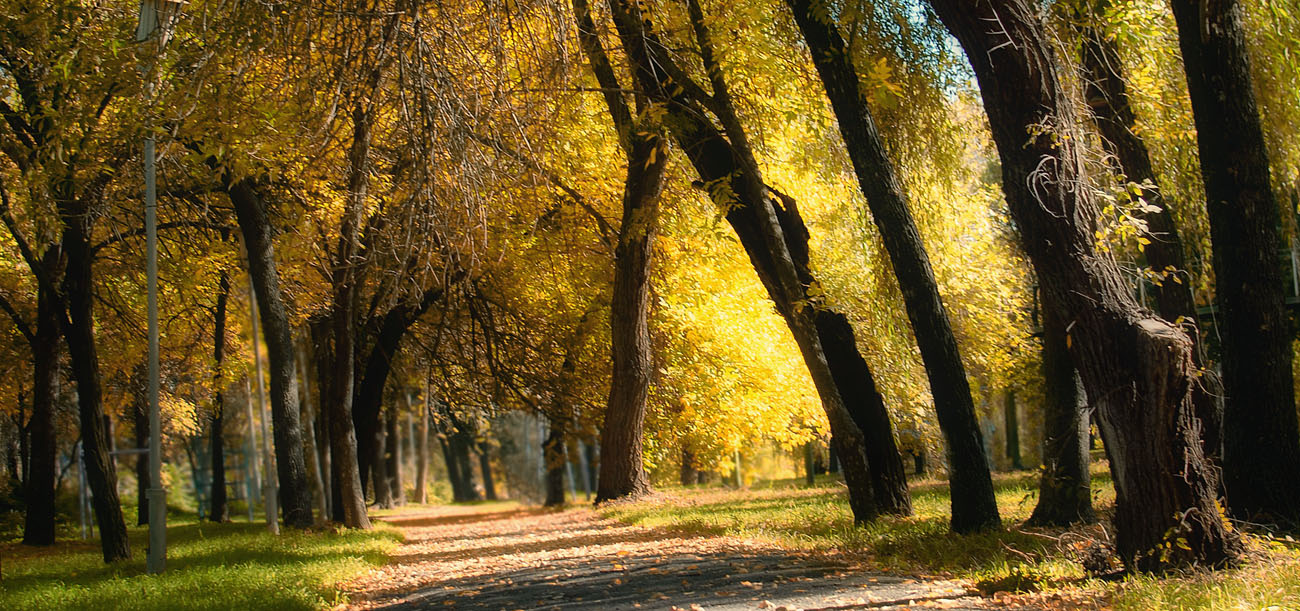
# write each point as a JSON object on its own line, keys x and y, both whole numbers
{"x": 689, "y": 475}
{"x": 79, "y": 333}
{"x": 1261, "y": 437}
{"x": 729, "y": 173}
{"x": 455, "y": 475}
{"x": 485, "y": 468}
{"x": 1065, "y": 489}
{"x": 461, "y": 445}
{"x": 322, "y": 355}
{"x": 1107, "y": 96}
{"x": 295, "y": 493}
{"x": 973, "y": 504}
{"x": 555, "y": 456}
{"x": 140, "y": 420}
{"x": 219, "y": 509}
{"x": 857, "y": 387}
{"x": 379, "y": 470}
{"x": 394, "y": 458}
{"x": 622, "y": 472}
{"x": 42, "y": 462}
{"x": 1137, "y": 369}
{"x": 1011, "y": 422}
{"x": 311, "y": 449}
{"x": 422, "y": 447}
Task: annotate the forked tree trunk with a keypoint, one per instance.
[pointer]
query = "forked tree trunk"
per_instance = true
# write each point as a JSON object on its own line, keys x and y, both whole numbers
{"x": 1261, "y": 435}
{"x": 973, "y": 504}
{"x": 291, "y": 467}
{"x": 622, "y": 472}
{"x": 763, "y": 220}
{"x": 42, "y": 463}
{"x": 455, "y": 475}
{"x": 1065, "y": 487}
{"x": 1137, "y": 370}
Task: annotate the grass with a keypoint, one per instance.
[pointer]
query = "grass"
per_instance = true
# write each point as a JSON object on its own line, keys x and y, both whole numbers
{"x": 1016, "y": 559}
{"x": 209, "y": 566}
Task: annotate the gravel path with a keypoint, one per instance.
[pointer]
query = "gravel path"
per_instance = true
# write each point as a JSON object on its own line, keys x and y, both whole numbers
{"x": 488, "y": 557}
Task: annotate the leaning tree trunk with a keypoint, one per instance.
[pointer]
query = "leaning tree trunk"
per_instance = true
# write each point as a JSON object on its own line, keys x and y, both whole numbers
{"x": 42, "y": 463}
{"x": 1107, "y": 95}
{"x": 554, "y": 455}
{"x": 455, "y": 475}
{"x": 1137, "y": 370}
{"x": 79, "y": 333}
{"x": 1064, "y": 489}
{"x": 1261, "y": 436}
{"x": 219, "y": 509}
{"x": 973, "y": 504}
{"x": 730, "y": 175}
{"x": 254, "y": 224}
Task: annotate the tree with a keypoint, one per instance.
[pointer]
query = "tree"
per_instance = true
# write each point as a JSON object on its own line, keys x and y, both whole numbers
{"x": 973, "y": 504}
{"x": 291, "y": 467}
{"x": 218, "y": 510}
{"x": 1150, "y": 428}
{"x": 1261, "y": 436}
{"x": 621, "y": 471}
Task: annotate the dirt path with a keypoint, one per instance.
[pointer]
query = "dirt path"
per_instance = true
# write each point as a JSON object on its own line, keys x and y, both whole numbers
{"x": 495, "y": 558}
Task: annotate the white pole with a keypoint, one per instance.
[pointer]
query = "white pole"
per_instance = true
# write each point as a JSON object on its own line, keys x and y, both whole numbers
{"x": 269, "y": 491}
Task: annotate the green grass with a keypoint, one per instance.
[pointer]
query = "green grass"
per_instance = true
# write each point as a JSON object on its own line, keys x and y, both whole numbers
{"x": 209, "y": 566}
{"x": 1015, "y": 559}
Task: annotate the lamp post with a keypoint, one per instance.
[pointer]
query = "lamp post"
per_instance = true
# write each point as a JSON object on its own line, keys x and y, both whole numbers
{"x": 156, "y": 17}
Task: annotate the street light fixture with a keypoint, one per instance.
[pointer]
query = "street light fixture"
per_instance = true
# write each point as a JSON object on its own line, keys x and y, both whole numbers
{"x": 156, "y": 19}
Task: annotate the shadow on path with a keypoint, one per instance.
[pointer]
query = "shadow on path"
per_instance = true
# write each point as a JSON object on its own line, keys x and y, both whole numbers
{"x": 529, "y": 559}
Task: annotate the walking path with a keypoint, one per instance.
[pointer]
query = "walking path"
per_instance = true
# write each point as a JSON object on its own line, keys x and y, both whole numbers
{"x": 490, "y": 557}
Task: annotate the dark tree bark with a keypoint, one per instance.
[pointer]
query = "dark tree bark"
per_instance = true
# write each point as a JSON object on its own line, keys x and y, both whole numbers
{"x": 219, "y": 509}
{"x": 622, "y": 472}
{"x": 255, "y": 225}
{"x": 1011, "y": 422}
{"x": 322, "y": 355}
{"x": 79, "y": 333}
{"x": 485, "y": 469}
{"x": 379, "y": 470}
{"x": 810, "y": 463}
{"x": 422, "y": 447}
{"x": 1261, "y": 436}
{"x": 42, "y": 462}
{"x": 1107, "y": 96}
{"x": 1137, "y": 370}
{"x": 394, "y": 460}
{"x": 553, "y": 451}
{"x": 690, "y": 474}
{"x": 761, "y": 218}
{"x": 1065, "y": 489}
{"x": 455, "y": 475}
{"x": 462, "y": 446}
{"x": 973, "y": 504}
{"x": 379, "y": 364}
{"x": 140, "y": 419}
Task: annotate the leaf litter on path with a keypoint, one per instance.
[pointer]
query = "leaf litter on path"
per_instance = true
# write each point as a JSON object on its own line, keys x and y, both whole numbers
{"x": 490, "y": 557}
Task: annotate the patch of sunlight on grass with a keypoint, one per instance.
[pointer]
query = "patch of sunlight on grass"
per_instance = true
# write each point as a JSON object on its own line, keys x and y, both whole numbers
{"x": 1269, "y": 579}
{"x": 209, "y": 566}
